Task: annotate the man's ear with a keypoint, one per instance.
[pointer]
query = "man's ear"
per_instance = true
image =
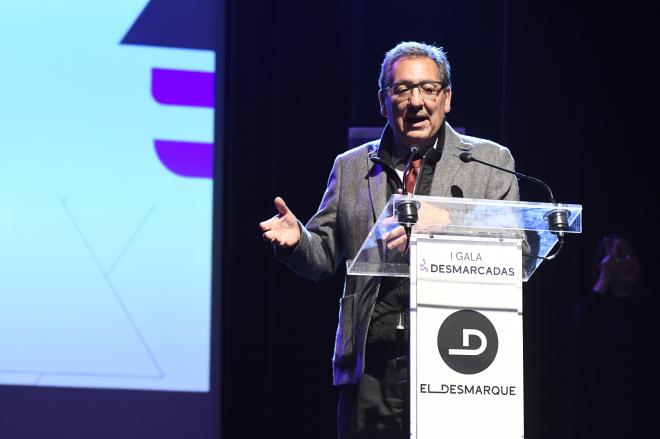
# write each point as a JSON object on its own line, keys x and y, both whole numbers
{"x": 381, "y": 100}
{"x": 448, "y": 101}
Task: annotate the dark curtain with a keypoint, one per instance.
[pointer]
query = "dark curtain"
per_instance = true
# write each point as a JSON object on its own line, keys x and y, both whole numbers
{"x": 569, "y": 87}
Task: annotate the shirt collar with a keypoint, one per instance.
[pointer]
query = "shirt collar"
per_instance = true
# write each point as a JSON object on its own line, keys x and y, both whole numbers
{"x": 391, "y": 152}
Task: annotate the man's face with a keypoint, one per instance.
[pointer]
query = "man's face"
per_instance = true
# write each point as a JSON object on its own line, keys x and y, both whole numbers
{"x": 416, "y": 119}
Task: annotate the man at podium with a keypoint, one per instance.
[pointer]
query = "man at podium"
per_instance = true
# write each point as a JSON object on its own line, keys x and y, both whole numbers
{"x": 370, "y": 363}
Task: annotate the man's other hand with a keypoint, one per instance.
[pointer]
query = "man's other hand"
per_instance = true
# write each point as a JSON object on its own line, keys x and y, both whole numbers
{"x": 431, "y": 217}
{"x": 396, "y": 238}
{"x": 282, "y": 230}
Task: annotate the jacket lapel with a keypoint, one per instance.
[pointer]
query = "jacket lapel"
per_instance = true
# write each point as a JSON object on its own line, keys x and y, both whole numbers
{"x": 449, "y": 163}
{"x": 446, "y": 169}
{"x": 377, "y": 181}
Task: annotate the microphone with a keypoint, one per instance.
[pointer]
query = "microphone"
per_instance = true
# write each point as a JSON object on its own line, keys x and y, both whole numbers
{"x": 557, "y": 218}
{"x": 466, "y": 157}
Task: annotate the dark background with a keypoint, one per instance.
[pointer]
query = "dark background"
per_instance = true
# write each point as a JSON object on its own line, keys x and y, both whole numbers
{"x": 570, "y": 87}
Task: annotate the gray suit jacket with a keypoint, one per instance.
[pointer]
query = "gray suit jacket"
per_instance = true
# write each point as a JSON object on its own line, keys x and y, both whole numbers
{"x": 355, "y": 196}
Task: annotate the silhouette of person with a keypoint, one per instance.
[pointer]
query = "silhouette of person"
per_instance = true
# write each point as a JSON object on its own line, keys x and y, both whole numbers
{"x": 615, "y": 359}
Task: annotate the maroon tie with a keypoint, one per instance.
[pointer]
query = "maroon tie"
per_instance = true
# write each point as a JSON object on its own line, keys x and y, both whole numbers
{"x": 411, "y": 177}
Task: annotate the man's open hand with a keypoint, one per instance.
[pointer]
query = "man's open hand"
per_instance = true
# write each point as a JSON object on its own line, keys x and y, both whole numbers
{"x": 282, "y": 230}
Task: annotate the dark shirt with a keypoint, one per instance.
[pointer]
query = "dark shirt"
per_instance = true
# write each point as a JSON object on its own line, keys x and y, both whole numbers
{"x": 390, "y": 319}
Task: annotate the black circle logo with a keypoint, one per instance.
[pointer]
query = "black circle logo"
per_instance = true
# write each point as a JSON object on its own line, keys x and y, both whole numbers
{"x": 467, "y": 342}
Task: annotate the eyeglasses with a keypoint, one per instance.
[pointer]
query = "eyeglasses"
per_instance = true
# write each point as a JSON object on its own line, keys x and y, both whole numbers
{"x": 402, "y": 91}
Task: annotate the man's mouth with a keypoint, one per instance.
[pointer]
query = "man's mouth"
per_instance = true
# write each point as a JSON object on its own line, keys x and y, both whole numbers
{"x": 414, "y": 120}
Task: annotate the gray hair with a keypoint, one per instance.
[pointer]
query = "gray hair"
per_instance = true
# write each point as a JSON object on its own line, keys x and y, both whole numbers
{"x": 413, "y": 49}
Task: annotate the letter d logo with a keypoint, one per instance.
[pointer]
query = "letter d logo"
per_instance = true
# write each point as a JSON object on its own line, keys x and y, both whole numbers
{"x": 467, "y": 342}
{"x": 483, "y": 342}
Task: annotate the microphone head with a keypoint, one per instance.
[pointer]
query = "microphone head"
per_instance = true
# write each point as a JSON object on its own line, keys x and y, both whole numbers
{"x": 465, "y": 157}
{"x": 413, "y": 149}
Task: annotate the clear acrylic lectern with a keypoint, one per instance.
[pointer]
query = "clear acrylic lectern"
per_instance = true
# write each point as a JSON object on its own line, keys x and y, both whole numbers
{"x": 466, "y": 262}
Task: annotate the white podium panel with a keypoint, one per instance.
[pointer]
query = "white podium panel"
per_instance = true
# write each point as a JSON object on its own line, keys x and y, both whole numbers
{"x": 466, "y": 359}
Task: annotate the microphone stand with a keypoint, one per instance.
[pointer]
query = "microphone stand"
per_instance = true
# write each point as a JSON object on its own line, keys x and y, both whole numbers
{"x": 557, "y": 218}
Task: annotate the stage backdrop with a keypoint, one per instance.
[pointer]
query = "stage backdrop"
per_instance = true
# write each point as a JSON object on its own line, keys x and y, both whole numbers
{"x": 107, "y": 130}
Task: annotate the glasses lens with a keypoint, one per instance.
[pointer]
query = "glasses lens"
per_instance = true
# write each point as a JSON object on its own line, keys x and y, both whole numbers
{"x": 429, "y": 90}
{"x": 402, "y": 90}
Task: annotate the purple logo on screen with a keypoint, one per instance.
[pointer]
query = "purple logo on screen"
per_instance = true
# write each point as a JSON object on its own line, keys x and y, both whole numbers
{"x": 189, "y": 88}
{"x": 423, "y": 266}
{"x": 188, "y": 25}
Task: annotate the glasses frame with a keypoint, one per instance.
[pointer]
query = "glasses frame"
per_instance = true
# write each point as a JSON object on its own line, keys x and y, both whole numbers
{"x": 411, "y": 86}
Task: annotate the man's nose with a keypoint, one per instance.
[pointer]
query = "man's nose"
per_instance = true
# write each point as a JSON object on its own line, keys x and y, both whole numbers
{"x": 415, "y": 98}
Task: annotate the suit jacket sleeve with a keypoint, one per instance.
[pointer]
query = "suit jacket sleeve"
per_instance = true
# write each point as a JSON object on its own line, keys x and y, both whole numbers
{"x": 502, "y": 185}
